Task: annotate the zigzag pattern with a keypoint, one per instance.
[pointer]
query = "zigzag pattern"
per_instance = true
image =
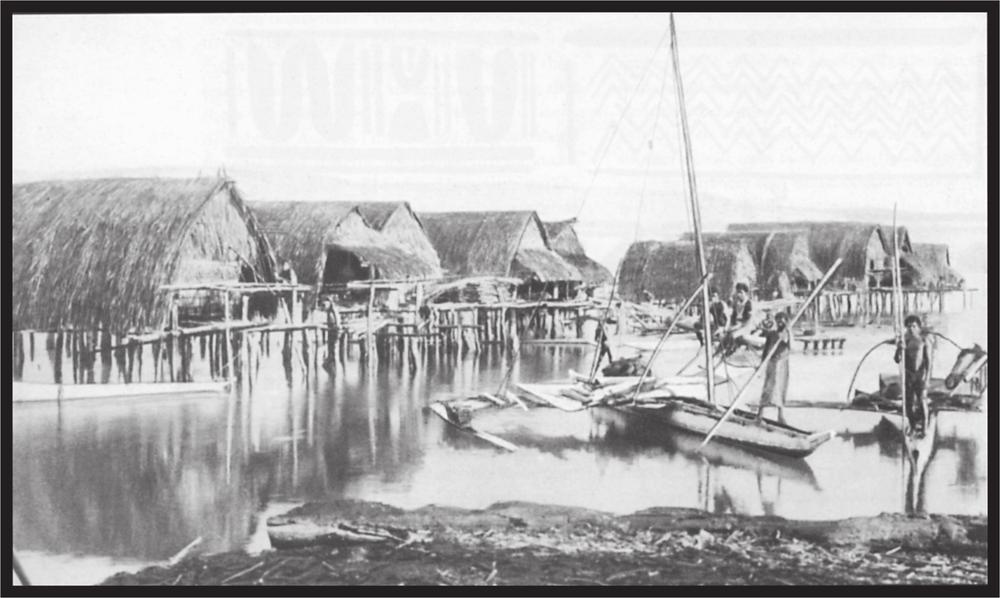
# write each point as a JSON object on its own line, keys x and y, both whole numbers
{"x": 828, "y": 111}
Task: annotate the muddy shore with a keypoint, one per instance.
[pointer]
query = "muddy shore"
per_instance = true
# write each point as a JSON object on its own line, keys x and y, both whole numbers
{"x": 517, "y": 543}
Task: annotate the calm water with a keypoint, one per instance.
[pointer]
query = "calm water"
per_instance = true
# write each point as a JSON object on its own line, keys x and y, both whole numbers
{"x": 101, "y": 487}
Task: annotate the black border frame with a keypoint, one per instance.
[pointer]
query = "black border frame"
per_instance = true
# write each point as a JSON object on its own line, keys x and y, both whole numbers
{"x": 992, "y": 13}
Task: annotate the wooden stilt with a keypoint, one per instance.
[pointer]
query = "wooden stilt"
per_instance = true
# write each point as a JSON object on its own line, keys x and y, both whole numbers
{"x": 18, "y": 348}
{"x": 228, "y": 316}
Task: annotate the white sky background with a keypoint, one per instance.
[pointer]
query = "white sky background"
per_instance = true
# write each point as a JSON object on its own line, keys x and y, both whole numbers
{"x": 793, "y": 116}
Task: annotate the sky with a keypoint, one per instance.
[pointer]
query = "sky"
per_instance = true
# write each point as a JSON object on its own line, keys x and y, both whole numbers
{"x": 792, "y": 116}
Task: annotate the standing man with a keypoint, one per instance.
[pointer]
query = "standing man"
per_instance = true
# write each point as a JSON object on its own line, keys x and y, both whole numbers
{"x": 602, "y": 344}
{"x": 917, "y": 365}
{"x": 776, "y": 374}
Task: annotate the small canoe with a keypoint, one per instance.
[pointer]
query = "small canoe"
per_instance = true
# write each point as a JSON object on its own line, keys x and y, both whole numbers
{"x": 742, "y": 428}
{"x": 439, "y": 409}
{"x": 31, "y": 392}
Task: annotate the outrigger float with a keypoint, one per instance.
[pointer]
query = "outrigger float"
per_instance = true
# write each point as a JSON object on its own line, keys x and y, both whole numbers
{"x": 30, "y": 392}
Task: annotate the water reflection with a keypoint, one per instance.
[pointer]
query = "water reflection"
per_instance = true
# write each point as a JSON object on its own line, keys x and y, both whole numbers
{"x": 124, "y": 482}
{"x": 142, "y": 479}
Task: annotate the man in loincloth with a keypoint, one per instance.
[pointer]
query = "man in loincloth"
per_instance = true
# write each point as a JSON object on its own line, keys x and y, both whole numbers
{"x": 917, "y": 365}
{"x": 776, "y": 374}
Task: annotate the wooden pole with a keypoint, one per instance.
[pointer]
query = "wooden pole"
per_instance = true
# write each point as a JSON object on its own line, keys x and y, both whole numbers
{"x": 19, "y": 570}
{"x": 227, "y": 312}
{"x": 692, "y": 189}
{"x": 898, "y": 323}
{"x": 369, "y": 348}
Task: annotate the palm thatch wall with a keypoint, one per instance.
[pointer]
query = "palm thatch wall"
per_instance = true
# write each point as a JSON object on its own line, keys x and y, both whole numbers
{"x": 329, "y": 242}
{"x": 564, "y": 241}
{"x": 864, "y": 247}
{"x": 496, "y": 244}
{"x": 670, "y": 270}
{"x": 94, "y": 253}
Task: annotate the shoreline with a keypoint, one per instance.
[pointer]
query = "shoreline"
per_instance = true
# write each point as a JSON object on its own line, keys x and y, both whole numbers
{"x": 351, "y": 542}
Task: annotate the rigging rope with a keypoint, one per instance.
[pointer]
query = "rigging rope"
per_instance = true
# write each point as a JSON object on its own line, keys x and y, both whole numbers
{"x": 614, "y": 131}
{"x": 649, "y": 156}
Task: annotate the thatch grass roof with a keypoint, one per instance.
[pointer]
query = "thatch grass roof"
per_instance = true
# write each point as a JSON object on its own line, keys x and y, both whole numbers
{"x": 94, "y": 253}
{"x": 670, "y": 270}
{"x": 412, "y": 239}
{"x": 376, "y": 213}
{"x": 303, "y": 231}
{"x": 300, "y": 231}
{"x": 564, "y": 241}
{"x": 489, "y": 243}
{"x": 780, "y": 256}
{"x": 936, "y": 264}
{"x": 830, "y": 240}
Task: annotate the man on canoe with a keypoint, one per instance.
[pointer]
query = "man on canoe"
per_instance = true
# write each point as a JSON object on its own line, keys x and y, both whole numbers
{"x": 717, "y": 317}
{"x": 741, "y": 320}
{"x": 917, "y": 365}
{"x": 776, "y": 374}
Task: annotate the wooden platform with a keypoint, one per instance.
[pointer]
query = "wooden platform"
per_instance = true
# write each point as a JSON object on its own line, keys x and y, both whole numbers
{"x": 823, "y": 343}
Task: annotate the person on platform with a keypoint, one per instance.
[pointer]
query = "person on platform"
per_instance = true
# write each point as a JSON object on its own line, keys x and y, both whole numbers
{"x": 717, "y": 316}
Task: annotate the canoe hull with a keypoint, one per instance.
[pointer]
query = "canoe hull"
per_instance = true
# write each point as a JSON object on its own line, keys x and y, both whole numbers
{"x": 29, "y": 392}
{"x": 741, "y": 428}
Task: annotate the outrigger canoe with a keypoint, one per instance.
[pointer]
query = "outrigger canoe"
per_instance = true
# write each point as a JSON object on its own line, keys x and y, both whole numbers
{"x": 887, "y": 398}
{"x": 742, "y": 428}
{"x": 451, "y": 418}
{"x": 689, "y": 446}
{"x": 694, "y": 415}
{"x": 31, "y": 392}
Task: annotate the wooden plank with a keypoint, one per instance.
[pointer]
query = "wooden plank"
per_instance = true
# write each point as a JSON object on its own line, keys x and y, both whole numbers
{"x": 439, "y": 410}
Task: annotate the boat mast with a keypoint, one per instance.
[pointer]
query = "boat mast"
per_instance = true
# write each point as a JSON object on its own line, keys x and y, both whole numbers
{"x": 695, "y": 214}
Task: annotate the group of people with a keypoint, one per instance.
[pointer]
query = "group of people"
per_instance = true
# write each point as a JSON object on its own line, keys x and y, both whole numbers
{"x": 727, "y": 319}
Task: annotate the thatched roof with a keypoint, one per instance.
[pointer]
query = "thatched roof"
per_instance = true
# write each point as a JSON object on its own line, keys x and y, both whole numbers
{"x": 303, "y": 231}
{"x": 935, "y": 263}
{"x": 780, "y": 256}
{"x": 407, "y": 232}
{"x": 830, "y": 240}
{"x": 490, "y": 244}
{"x": 94, "y": 253}
{"x": 376, "y": 213}
{"x": 564, "y": 241}
{"x": 299, "y": 231}
{"x": 670, "y": 270}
